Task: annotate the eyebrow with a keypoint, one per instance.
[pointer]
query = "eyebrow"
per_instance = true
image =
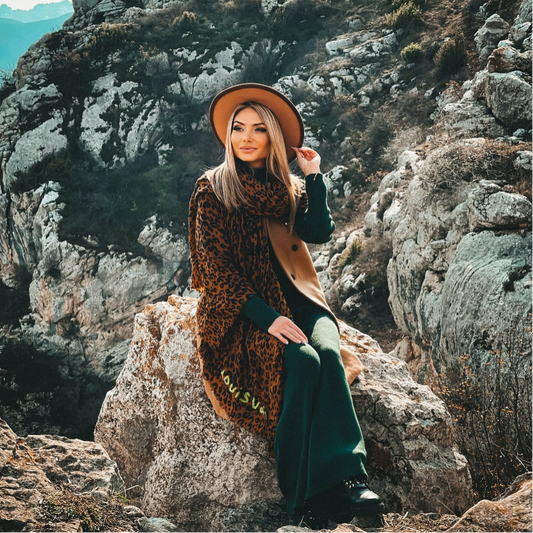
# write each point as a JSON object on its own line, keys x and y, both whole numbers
{"x": 242, "y": 123}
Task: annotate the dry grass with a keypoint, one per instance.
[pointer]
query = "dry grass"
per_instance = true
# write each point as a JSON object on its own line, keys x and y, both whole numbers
{"x": 418, "y": 522}
{"x": 469, "y": 162}
{"x": 93, "y": 515}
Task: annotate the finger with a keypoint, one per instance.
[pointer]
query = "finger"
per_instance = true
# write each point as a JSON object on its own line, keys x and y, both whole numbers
{"x": 295, "y": 334}
{"x": 280, "y": 337}
{"x": 299, "y": 151}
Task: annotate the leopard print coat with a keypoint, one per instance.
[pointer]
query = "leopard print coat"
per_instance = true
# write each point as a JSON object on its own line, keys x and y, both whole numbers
{"x": 230, "y": 262}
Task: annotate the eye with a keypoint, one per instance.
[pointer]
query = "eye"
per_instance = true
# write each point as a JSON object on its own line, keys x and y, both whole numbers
{"x": 236, "y": 127}
{"x": 261, "y": 130}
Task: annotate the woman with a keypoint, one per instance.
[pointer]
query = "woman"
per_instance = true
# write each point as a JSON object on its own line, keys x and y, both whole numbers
{"x": 268, "y": 342}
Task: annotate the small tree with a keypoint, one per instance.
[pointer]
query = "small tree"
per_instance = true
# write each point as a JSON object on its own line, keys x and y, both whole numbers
{"x": 451, "y": 55}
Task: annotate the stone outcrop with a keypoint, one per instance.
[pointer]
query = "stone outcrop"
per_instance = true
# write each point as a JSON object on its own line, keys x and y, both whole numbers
{"x": 159, "y": 426}
{"x": 460, "y": 249}
{"x": 493, "y": 31}
{"x": 511, "y": 512}
{"x": 497, "y": 101}
{"x": 37, "y": 469}
{"x": 51, "y": 483}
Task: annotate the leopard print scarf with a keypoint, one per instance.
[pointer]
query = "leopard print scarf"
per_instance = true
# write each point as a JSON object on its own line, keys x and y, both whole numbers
{"x": 231, "y": 262}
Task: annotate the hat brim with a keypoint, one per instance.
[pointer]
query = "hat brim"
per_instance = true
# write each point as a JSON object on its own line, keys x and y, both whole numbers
{"x": 290, "y": 120}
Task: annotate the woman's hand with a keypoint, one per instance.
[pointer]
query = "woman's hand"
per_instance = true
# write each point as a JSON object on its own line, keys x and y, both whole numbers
{"x": 286, "y": 330}
{"x": 308, "y": 160}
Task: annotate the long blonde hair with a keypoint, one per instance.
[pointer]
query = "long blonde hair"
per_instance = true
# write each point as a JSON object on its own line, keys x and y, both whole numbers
{"x": 225, "y": 180}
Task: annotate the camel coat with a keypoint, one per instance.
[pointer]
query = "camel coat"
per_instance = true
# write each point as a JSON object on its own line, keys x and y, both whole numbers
{"x": 294, "y": 258}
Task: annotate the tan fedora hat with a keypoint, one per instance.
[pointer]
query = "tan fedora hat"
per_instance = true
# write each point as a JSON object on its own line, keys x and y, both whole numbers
{"x": 226, "y": 101}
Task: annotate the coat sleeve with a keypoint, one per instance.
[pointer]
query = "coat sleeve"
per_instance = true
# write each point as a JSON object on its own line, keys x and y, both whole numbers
{"x": 223, "y": 286}
{"x": 315, "y": 225}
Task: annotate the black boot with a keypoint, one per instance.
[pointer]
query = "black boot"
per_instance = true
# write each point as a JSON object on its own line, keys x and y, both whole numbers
{"x": 354, "y": 498}
{"x": 313, "y": 519}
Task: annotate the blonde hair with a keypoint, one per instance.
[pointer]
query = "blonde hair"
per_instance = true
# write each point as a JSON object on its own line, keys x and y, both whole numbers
{"x": 225, "y": 180}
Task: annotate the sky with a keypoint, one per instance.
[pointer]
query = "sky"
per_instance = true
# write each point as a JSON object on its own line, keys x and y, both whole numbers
{"x": 27, "y": 4}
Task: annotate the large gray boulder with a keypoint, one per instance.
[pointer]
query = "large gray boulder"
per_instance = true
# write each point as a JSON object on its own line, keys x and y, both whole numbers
{"x": 487, "y": 37}
{"x": 197, "y": 469}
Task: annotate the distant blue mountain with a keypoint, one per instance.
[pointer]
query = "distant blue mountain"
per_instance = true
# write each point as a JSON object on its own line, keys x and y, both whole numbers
{"x": 16, "y": 37}
{"x": 39, "y": 12}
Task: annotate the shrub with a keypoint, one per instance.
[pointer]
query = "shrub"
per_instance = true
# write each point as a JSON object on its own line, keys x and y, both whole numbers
{"x": 448, "y": 167}
{"x": 412, "y": 53}
{"x": 405, "y": 15}
{"x": 351, "y": 254}
{"x": 398, "y": 3}
{"x": 185, "y": 21}
{"x": 7, "y": 83}
{"x": 52, "y": 168}
{"x": 93, "y": 514}
{"x": 253, "y": 6}
{"x": 108, "y": 39}
{"x": 377, "y": 134}
{"x": 451, "y": 55}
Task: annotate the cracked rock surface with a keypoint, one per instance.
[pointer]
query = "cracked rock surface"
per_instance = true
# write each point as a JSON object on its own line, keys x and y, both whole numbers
{"x": 160, "y": 428}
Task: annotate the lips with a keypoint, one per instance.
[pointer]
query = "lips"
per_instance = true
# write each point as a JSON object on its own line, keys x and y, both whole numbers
{"x": 247, "y": 149}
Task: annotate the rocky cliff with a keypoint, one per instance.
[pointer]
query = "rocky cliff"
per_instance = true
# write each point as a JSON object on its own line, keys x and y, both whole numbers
{"x": 422, "y": 113}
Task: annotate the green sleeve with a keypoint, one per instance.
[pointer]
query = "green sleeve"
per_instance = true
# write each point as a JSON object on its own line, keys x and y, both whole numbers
{"x": 315, "y": 225}
{"x": 259, "y": 312}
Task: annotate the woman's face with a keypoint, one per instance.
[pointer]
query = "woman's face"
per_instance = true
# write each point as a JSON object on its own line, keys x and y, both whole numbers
{"x": 249, "y": 138}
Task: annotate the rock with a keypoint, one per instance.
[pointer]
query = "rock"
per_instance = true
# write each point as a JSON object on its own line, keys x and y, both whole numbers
{"x": 163, "y": 244}
{"x": 524, "y": 12}
{"x": 509, "y": 97}
{"x": 447, "y": 267}
{"x": 527, "y": 44}
{"x": 33, "y": 147}
{"x": 374, "y": 49}
{"x": 98, "y": 134}
{"x": 340, "y": 528}
{"x": 334, "y": 179}
{"x": 523, "y": 160}
{"x": 191, "y": 463}
{"x": 511, "y": 512}
{"x": 338, "y": 46}
{"x": 508, "y": 59}
{"x": 157, "y": 525}
{"x": 133, "y": 512}
{"x": 487, "y": 37}
{"x": 226, "y": 68}
{"x": 519, "y": 32}
{"x": 267, "y": 6}
{"x": 39, "y": 467}
{"x": 492, "y": 274}
{"x": 490, "y": 207}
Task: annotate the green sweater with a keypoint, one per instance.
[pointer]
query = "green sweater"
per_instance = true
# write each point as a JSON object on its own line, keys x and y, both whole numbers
{"x": 313, "y": 225}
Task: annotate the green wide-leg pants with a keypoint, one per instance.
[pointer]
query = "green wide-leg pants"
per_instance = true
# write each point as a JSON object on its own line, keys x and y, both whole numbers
{"x": 318, "y": 439}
